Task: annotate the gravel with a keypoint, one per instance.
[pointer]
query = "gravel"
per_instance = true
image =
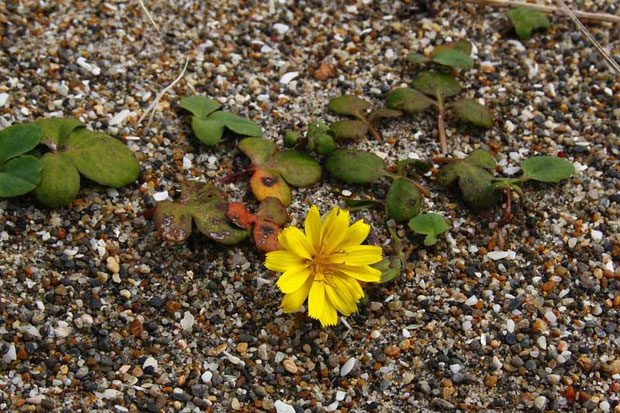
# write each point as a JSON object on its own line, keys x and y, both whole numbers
{"x": 97, "y": 314}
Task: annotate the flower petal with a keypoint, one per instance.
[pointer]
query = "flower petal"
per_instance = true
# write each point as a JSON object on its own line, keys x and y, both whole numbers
{"x": 356, "y": 234}
{"x": 316, "y": 300}
{"x": 293, "y": 240}
{"x": 282, "y": 261}
{"x": 293, "y": 279}
{"x": 343, "y": 303}
{"x": 361, "y": 272}
{"x": 291, "y": 302}
{"x": 312, "y": 226}
{"x": 336, "y": 231}
{"x": 362, "y": 255}
{"x": 330, "y": 315}
{"x": 347, "y": 287}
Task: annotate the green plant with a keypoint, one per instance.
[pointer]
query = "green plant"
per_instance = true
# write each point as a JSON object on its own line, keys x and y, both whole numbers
{"x": 209, "y": 123}
{"x": 404, "y": 196}
{"x": 319, "y": 138}
{"x": 19, "y": 173}
{"x": 432, "y": 88}
{"x": 273, "y": 171}
{"x": 526, "y": 21}
{"x": 481, "y": 189}
{"x": 266, "y": 224}
{"x": 429, "y": 224}
{"x": 72, "y": 150}
{"x": 202, "y": 204}
{"x": 350, "y": 105}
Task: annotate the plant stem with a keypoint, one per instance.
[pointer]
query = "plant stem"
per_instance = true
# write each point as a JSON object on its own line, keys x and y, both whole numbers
{"x": 423, "y": 190}
{"x": 441, "y": 124}
{"x": 374, "y": 132}
{"x": 505, "y": 218}
{"x": 236, "y": 175}
{"x": 603, "y": 17}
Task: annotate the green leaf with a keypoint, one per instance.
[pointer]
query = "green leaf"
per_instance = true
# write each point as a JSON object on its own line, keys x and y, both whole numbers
{"x": 417, "y": 58}
{"x": 361, "y": 204}
{"x": 258, "y": 150}
{"x": 19, "y": 176}
{"x": 101, "y": 158}
{"x": 453, "y": 58}
{"x": 436, "y": 83}
{"x": 320, "y": 139}
{"x": 475, "y": 182}
{"x": 350, "y": 129}
{"x": 403, "y": 200}
{"x": 526, "y": 21}
{"x": 291, "y": 138}
{"x": 57, "y": 130}
{"x": 271, "y": 209}
{"x": 471, "y": 111}
{"x": 204, "y": 204}
{"x": 199, "y": 106}
{"x": 390, "y": 267}
{"x": 349, "y": 105}
{"x": 384, "y": 113}
{"x": 408, "y": 100}
{"x": 238, "y": 124}
{"x": 297, "y": 168}
{"x": 547, "y": 168}
{"x": 207, "y": 131}
{"x": 324, "y": 144}
{"x": 355, "y": 166}
{"x": 418, "y": 165}
{"x": 60, "y": 180}
{"x": 482, "y": 159}
{"x": 429, "y": 224}
{"x": 462, "y": 46}
{"x": 17, "y": 140}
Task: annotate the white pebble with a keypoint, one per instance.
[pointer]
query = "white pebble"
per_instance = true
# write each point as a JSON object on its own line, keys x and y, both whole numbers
{"x": 471, "y": 300}
{"x": 347, "y": 366}
{"x": 551, "y": 317}
{"x": 340, "y": 395}
{"x": 120, "y": 117}
{"x": 346, "y": 192}
{"x": 3, "y": 98}
{"x": 287, "y": 77}
{"x": 498, "y": 255}
{"x": 540, "y": 402}
{"x": 150, "y": 361}
{"x": 510, "y": 326}
{"x": 206, "y": 376}
{"x": 187, "y": 322}
{"x": 10, "y": 355}
{"x": 282, "y": 407}
{"x": 281, "y": 28}
{"x": 455, "y": 368}
{"x": 596, "y": 235}
{"x": 542, "y": 342}
{"x": 604, "y": 406}
{"x": 160, "y": 196}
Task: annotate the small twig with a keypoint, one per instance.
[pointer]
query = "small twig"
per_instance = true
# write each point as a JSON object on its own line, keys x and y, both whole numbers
{"x": 504, "y": 219}
{"x": 149, "y": 15}
{"x": 603, "y": 17}
{"x": 236, "y": 175}
{"x": 153, "y": 106}
{"x": 610, "y": 61}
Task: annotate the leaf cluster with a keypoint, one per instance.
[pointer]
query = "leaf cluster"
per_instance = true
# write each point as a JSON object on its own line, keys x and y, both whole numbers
{"x": 527, "y": 21}
{"x": 209, "y": 123}
{"x": 266, "y": 224}
{"x": 273, "y": 170}
{"x": 202, "y": 204}
{"x": 70, "y": 150}
{"x": 319, "y": 138}
{"x": 403, "y": 200}
{"x": 353, "y": 106}
{"x": 479, "y": 186}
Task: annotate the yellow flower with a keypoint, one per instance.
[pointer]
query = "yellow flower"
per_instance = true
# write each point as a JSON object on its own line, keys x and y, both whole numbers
{"x": 324, "y": 265}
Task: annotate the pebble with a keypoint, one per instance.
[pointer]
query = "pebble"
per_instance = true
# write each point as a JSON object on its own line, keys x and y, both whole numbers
{"x": 282, "y": 407}
{"x": 112, "y": 265}
{"x": 289, "y": 365}
{"x": 540, "y": 402}
{"x": 150, "y": 362}
{"x": 187, "y": 322}
{"x": 347, "y": 366}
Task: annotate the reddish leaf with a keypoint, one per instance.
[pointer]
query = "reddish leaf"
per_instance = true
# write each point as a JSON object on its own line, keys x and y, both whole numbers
{"x": 238, "y": 213}
{"x": 266, "y": 236}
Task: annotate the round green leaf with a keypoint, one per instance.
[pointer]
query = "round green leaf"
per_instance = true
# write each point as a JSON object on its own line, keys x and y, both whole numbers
{"x": 403, "y": 200}
{"x": 173, "y": 221}
{"x": 436, "y": 83}
{"x": 526, "y": 21}
{"x": 17, "y": 140}
{"x": 477, "y": 186}
{"x": 350, "y": 129}
{"x": 271, "y": 209}
{"x": 258, "y": 150}
{"x": 57, "y": 130}
{"x": 547, "y": 168}
{"x": 461, "y": 45}
{"x": 408, "y": 100}
{"x": 291, "y": 138}
{"x": 417, "y": 58}
{"x": 60, "y": 180}
{"x": 384, "y": 113}
{"x": 324, "y": 144}
{"x": 199, "y": 106}
{"x": 349, "y": 105}
{"x": 101, "y": 158}
{"x": 297, "y": 168}
{"x": 429, "y": 224}
{"x": 471, "y": 111}
{"x": 482, "y": 159}
{"x": 453, "y": 58}
{"x": 355, "y": 166}
{"x": 19, "y": 176}
{"x": 207, "y": 131}
{"x": 390, "y": 267}
{"x": 238, "y": 124}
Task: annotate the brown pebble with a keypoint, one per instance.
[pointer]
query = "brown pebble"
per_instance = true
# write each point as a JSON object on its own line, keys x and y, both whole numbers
{"x": 289, "y": 365}
{"x": 392, "y": 351}
{"x": 539, "y": 327}
{"x": 136, "y": 327}
{"x": 490, "y": 381}
{"x": 21, "y": 353}
{"x": 325, "y": 71}
{"x": 242, "y": 347}
{"x": 548, "y": 286}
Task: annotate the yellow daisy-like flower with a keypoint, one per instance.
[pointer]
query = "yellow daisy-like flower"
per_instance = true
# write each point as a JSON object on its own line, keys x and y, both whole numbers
{"x": 324, "y": 265}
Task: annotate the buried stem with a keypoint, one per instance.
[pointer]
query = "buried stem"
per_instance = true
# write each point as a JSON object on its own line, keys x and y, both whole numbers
{"x": 441, "y": 124}
{"x": 236, "y": 175}
{"x": 505, "y": 218}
